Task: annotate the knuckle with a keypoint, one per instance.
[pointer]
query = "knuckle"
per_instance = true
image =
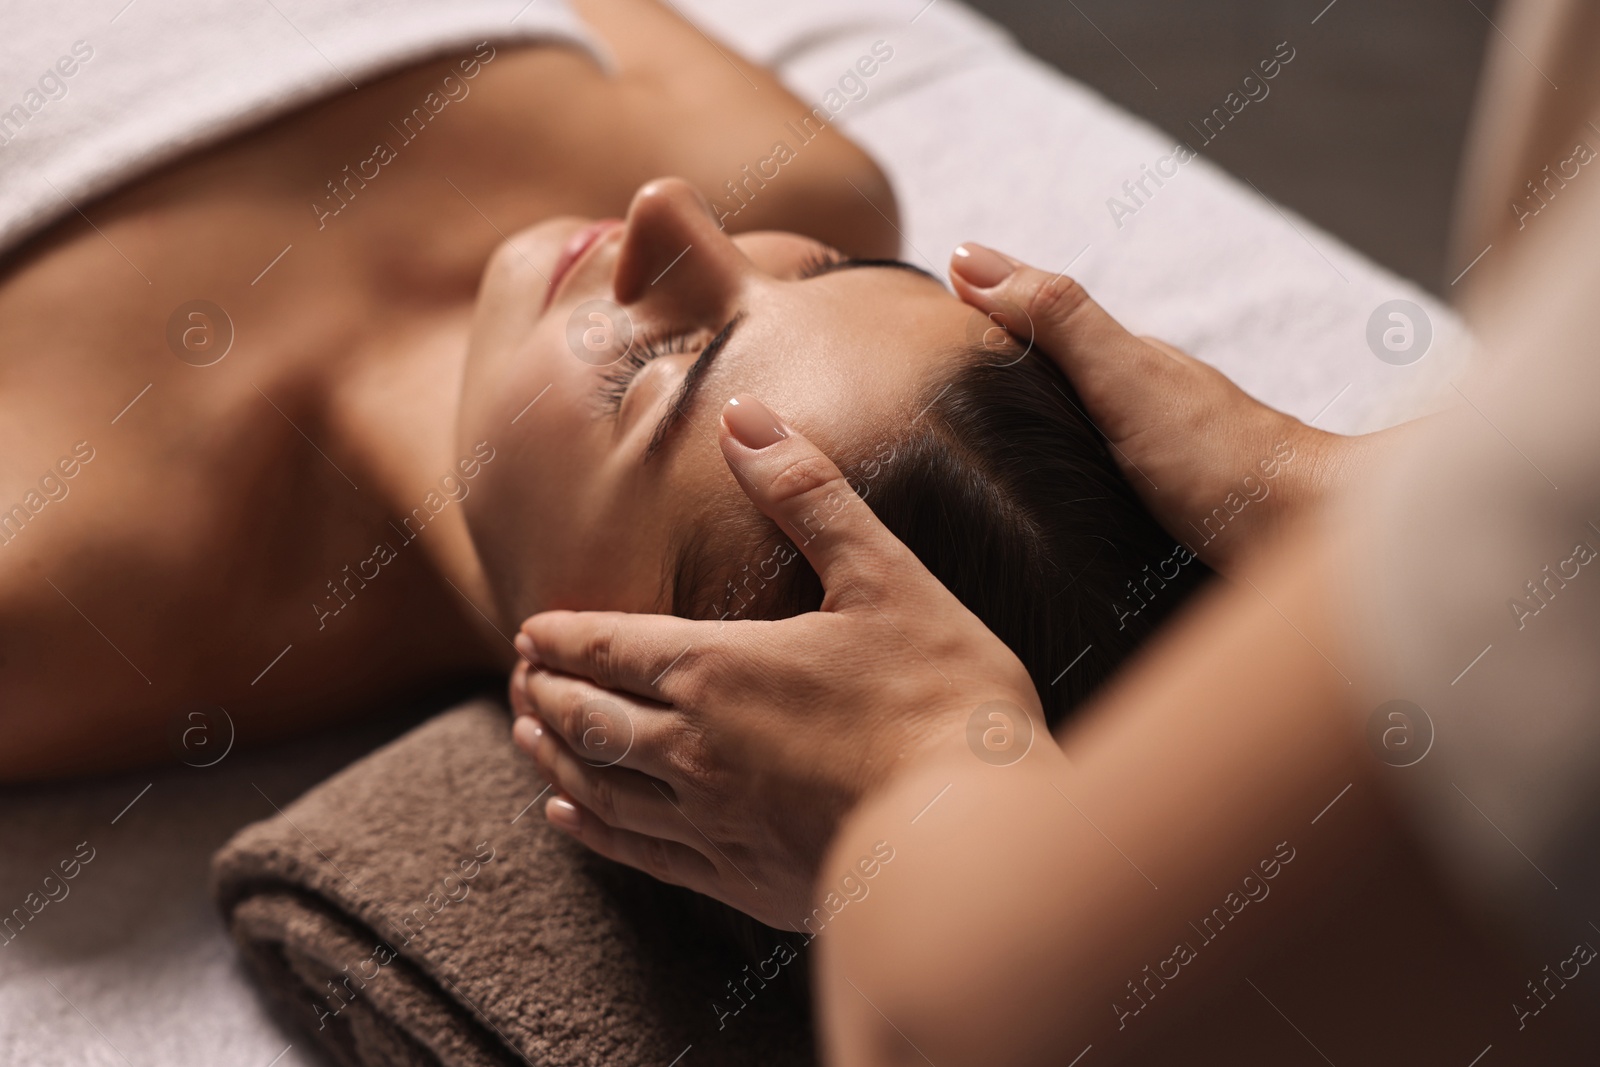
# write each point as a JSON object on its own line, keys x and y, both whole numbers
{"x": 1059, "y": 300}
{"x": 599, "y": 653}
{"x": 552, "y": 703}
{"x": 808, "y": 475}
{"x": 657, "y": 859}
{"x": 573, "y": 729}
{"x": 603, "y": 799}
{"x": 688, "y": 758}
{"x": 1194, "y": 417}
{"x": 684, "y": 681}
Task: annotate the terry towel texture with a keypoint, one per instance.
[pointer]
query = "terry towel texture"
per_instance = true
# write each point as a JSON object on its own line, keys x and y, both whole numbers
{"x": 93, "y": 95}
{"x": 414, "y": 910}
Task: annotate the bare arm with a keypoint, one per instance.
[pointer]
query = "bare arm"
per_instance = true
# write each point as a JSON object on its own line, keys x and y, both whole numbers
{"x": 1206, "y": 870}
{"x": 828, "y": 187}
{"x": 1042, "y": 878}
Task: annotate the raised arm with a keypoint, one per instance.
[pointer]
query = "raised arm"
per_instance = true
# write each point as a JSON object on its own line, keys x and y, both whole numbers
{"x": 826, "y": 185}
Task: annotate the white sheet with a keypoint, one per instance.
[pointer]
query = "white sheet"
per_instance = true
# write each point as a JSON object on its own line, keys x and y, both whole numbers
{"x": 985, "y": 143}
{"x": 89, "y": 96}
{"x": 982, "y": 143}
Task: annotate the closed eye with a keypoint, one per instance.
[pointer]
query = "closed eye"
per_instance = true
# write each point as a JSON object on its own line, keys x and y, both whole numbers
{"x": 823, "y": 261}
{"x": 828, "y": 260}
{"x": 644, "y": 350}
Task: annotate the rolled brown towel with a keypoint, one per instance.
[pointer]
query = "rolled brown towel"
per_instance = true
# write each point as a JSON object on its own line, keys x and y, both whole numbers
{"x": 414, "y": 910}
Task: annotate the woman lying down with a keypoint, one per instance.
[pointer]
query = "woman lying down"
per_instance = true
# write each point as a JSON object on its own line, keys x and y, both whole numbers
{"x": 487, "y": 385}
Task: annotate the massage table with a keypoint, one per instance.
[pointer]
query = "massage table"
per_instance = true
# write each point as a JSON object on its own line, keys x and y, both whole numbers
{"x": 982, "y": 142}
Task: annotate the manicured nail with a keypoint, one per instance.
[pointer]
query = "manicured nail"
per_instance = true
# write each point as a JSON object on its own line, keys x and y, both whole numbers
{"x": 980, "y": 266}
{"x": 526, "y": 731}
{"x": 752, "y": 423}
{"x": 564, "y": 813}
{"x": 524, "y": 645}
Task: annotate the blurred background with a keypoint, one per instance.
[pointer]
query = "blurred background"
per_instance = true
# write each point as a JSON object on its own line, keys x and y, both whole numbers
{"x": 1364, "y": 130}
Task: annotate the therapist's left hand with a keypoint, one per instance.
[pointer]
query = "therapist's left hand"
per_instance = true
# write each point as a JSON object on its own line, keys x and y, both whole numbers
{"x": 723, "y": 755}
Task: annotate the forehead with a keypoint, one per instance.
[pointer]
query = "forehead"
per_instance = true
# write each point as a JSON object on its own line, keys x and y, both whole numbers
{"x": 846, "y": 359}
{"x": 841, "y": 357}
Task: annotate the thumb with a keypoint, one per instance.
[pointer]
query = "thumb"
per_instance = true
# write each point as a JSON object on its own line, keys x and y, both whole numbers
{"x": 1109, "y": 367}
{"x": 799, "y": 488}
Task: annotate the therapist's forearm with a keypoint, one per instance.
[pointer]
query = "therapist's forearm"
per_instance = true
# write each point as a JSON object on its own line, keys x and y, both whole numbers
{"x": 1020, "y": 920}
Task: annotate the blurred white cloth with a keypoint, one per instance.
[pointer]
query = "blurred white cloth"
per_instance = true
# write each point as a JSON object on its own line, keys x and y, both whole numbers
{"x": 96, "y": 92}
{"x": 1477, "y": 578}
{"x": 982, "y": 142}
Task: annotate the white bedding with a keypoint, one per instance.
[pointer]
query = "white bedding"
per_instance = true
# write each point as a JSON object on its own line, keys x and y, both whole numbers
{"x": 982, "y": 143}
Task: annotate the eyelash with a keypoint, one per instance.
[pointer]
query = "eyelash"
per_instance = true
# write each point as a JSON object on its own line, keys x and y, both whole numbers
{"x": 646, "y": 348}
{"x": 820, "y": 262}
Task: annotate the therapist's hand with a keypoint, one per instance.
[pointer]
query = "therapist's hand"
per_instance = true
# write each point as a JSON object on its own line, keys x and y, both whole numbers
{"x": 735, "y": 748}
{"x": 1193, "y": 445}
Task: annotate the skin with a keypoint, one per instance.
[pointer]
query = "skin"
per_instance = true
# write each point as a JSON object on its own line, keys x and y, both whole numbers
{"x": 742, "y": 702}
{"x": 216, "y": 510}
{"x": 681, "y": 803}
{"x": 1187, "y": 777}
{"x": 1022, "y": 899}
{"x": 576, "y": 513}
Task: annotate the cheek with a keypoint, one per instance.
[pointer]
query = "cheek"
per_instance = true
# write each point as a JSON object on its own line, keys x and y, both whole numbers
{"x": 620, "y": 552}
{"x": 513, "y": 377}
{"x": 558, "y": 523}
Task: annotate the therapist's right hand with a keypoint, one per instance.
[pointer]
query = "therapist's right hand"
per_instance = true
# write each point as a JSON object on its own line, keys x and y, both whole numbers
{"x": 744, "y": 743}
{"x": 1193, "y": 445}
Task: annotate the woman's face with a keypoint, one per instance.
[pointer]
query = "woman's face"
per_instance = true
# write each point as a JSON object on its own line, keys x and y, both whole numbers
{"x": 602, "y": 448}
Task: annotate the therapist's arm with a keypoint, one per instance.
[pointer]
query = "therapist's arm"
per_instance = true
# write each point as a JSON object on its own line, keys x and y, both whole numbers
{"x": 749, "y": 740}
{"x": 1207, "y": 870}
{"x": 1021, "y": 904}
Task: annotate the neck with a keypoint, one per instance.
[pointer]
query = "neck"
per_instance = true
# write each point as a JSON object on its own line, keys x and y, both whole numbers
{"x": 395, "y": 403}
{"x": 406, "y": 253}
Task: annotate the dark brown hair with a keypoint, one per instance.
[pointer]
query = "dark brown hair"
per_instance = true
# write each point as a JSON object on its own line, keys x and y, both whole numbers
{"x": 1008, "y": 494}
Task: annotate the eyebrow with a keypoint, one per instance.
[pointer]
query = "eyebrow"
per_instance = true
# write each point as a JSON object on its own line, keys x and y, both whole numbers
{"x": 689, "y": 388}
{"x": 852, "y": 263}
{"x": 693, "y": 378}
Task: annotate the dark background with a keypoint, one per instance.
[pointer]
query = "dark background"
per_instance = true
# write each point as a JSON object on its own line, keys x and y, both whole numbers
{"x": 1365, "y": 129}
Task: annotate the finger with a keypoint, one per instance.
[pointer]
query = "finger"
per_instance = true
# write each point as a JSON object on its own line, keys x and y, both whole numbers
{"x": 517, "y": 689}
{"x": 663, "y": 860}
{"x": 801, "y": 489}
{"x": 616, "y": 796}
{"x": 604, "y": 726}
{"x": 639, "y": 654}
{"x": 1106, "y": 364}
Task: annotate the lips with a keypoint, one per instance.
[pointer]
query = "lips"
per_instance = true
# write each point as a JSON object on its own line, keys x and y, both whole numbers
{"x": 573, "y": 250}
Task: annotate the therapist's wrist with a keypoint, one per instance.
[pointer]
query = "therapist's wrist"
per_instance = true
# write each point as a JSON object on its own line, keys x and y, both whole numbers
{"x": 1324, "y": 462}
{"x": 1272, "y": 471}
{"x": 1337, "y": 462}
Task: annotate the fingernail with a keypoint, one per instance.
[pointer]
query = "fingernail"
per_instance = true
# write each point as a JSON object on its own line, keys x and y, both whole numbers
{"x": 752, "y": 423}
{"x": 524, "y": 645}
{"x": 564, "y": 813}
{"x": 980, "y": 266}
{"x": 526, "y": 731}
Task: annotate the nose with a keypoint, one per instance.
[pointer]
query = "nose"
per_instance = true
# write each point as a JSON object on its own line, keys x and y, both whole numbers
{"x": 674, "y": 252}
